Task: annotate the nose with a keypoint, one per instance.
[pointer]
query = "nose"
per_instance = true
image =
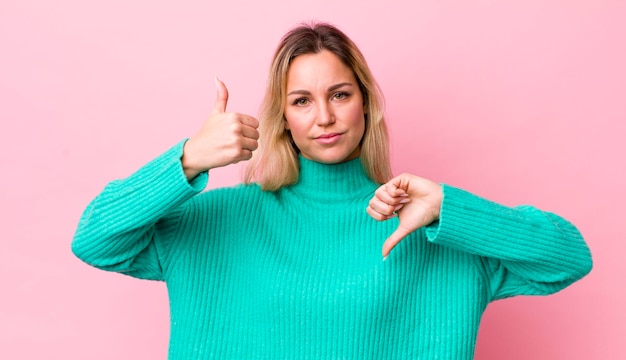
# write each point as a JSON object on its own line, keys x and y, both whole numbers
{"x": 325, "y": 115}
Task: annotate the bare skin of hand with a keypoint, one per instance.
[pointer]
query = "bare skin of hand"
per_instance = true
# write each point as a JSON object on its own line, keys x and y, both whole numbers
{"x": 225, "y": 138}
{"x": 414, "y": 200}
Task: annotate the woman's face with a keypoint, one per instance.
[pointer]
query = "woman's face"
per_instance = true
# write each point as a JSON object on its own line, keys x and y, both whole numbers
{"x": 324, "y": 109}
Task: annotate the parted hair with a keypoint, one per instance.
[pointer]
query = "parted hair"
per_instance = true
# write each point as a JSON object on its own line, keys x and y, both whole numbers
{"x": 275, "y": 163}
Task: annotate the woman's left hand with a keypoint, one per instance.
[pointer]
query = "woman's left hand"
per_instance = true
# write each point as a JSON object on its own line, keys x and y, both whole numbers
{"x": 414, "y": 200}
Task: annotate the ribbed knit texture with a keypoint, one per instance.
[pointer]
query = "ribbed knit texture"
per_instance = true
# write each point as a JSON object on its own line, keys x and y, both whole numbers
{"x": 298, "y": 273}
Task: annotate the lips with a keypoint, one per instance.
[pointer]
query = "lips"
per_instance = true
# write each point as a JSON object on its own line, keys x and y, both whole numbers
{"x": 326, "y": 136}
{"x": 328, "y": 139}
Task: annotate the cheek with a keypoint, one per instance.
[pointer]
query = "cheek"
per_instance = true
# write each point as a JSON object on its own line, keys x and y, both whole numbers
{"x": 291, "y": 119}
{"x": 298, "y": 132}
{"x": 356, "y": 116}
{"x": 285, "y": 117}
{"x": 288, "y": 121}
{"x": 296, "y": 122}
{"x": 358, "y": 122}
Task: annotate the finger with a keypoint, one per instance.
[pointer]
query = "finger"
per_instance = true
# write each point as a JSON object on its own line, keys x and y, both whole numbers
{"x": 383, "y": 208}
{"x": 249, "y": 121}
{"x": 378, "y": 216}
{"x": 391, "y": 190}
{"x": 222, "y": 97}
{"x": 245, "y": 155}
{"x": 394, "y": 187}
{"x": 249, "y": 144}
{"x": 383, "y": 195}
{"x": 394, "y": 240}
{"x": 250, "y": 132}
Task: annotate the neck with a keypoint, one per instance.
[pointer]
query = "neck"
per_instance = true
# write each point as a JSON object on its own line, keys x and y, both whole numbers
{"x": 332, "y": 182}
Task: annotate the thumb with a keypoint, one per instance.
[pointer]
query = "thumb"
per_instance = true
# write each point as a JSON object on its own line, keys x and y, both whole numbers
{"x": 222, "y": 97}
{"x": 393, "y": 240}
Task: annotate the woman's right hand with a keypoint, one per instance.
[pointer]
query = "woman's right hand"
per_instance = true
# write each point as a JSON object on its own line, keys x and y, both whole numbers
{"x": 225, "y": 138}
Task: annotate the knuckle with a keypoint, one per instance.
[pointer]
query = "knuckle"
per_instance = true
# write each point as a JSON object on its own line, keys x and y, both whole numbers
{"x": 235, "y": 127}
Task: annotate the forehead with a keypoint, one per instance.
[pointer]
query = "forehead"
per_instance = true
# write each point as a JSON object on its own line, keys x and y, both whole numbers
{"x": 321, "y": 68}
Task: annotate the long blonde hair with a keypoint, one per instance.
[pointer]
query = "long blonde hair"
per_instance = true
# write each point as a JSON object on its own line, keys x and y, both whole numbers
{"x": 275, "y": 163}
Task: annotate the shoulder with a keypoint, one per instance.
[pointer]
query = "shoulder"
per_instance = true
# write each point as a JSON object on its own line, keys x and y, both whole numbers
{"x": 232, "y": 197}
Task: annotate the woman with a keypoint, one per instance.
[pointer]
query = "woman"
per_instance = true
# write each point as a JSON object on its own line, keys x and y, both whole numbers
{"x": 287, "y": 265}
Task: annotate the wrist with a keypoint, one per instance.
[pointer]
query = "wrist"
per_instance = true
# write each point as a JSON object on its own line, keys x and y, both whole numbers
{"x": 190, "y": 167}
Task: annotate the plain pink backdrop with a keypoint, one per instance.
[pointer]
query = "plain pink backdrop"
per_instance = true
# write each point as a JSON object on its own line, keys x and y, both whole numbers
{"x": 518, "y": 101}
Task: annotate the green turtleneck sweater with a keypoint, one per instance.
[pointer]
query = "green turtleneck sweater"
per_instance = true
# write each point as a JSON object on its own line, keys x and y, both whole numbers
{"x": 298, "y": 273}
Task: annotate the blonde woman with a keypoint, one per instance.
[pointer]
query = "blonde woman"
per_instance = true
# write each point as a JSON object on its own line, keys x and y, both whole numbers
{"x": 288, "y": 265}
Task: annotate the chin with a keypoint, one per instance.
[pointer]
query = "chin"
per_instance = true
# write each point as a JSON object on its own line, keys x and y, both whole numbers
{"x": 334, "y": 159}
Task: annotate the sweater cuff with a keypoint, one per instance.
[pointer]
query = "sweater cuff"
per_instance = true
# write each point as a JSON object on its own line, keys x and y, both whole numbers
{"x": 462, "y": 215}
{"x": 164, "y": 176}
{"x": 198, "y": 183}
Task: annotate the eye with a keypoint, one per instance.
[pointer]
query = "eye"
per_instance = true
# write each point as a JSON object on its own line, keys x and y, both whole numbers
{"x": 340, "y": 95}
{"x": 301, "y": 101}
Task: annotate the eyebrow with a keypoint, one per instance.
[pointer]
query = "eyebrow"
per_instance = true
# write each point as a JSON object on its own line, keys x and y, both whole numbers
{"x": 330, "y": 89}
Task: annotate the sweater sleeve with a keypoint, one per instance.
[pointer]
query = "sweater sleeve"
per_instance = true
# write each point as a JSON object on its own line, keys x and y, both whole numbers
{"x": 521, "y": 250}
{"x": 124, "y": 229}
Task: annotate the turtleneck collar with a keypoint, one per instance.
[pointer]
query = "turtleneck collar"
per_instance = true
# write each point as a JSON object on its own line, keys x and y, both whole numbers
{"x": 346, "y": 181}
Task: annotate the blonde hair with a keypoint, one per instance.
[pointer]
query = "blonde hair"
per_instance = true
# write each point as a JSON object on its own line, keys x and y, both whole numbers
{"x": 275, "y": 163}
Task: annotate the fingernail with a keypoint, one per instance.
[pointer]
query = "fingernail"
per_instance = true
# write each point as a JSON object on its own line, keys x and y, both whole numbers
{"x": 217, "y": 80}
{"x": 385, "y": 258}
{"x": 405, "y": 200}
{"x": 398, "y": 207}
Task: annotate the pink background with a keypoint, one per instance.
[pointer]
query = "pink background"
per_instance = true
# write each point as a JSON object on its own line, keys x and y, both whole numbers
{"x": 518, "y": 101}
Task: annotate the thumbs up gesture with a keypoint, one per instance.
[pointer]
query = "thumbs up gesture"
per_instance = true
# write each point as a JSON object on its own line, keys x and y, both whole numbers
{"x": 414, "y": 200}
{"x": 225, "y": 138}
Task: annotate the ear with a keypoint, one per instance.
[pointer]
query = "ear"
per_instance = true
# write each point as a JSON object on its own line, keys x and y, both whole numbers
{"x": 286, "y": 123}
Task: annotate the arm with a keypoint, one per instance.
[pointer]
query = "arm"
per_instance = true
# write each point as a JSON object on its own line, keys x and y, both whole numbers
{"x": 520, "y": 250}
{"x": 128, "y": 226}
{"x": 117, "y": 230}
